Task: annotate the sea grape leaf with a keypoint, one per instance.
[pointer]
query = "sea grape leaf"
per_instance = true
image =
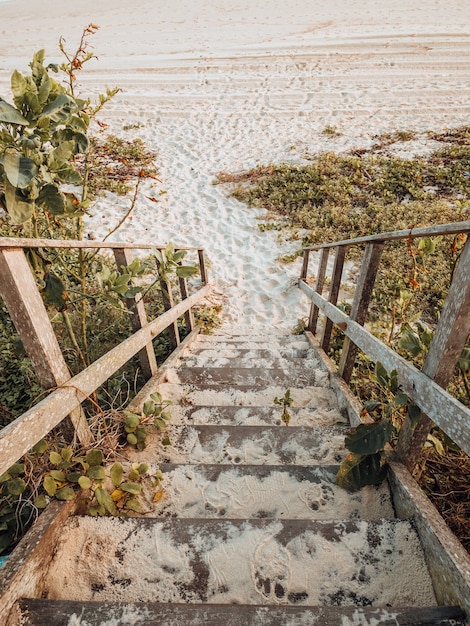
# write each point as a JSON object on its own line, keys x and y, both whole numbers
{"x": 10, "y": 115}
{"x": 54, "y": 292}
{"x": 369, "y": 438}
{"x": 359, "y": 470}
{"x": 19, "y": 170}
{"x": 116, "y": 474}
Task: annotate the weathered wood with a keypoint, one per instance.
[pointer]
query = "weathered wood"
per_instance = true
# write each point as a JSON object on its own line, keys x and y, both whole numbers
{"x": 59, "y": 612}
{"x": 334, "y": 292}
{"x": 21, "y": 435}
{"x": 448, "y": 562}
{"x": 188, "y": 316}
{"x": 202, "y": 266}
{"x": 28, "y": 313}
{"x": 453, "y": 228}
{"x": 446, "y": 347}
{"x": 360, "y": 305}
{"x": 303, "y": 274}
{"x": 24, "y": 572}
{"x": 168, "y": 303}
{"x": 313, "y": 316}
{"x": 138, "y": 317}
{"x": 22, "y": 242}
{"x": 445, "y": 410}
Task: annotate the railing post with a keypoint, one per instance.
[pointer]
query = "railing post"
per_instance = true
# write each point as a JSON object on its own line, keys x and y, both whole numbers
{"x": 202, "y": 267}
{"x": 138, "y": 317}
{"x": 446, "y": 347}
{"x": 168, "y": 303}
{"x": 188, "y": 316}
{"x": 313, "y": 317}
{"x": 360, "y": 305}
{"x": 28, "y": 313}
{"x": 334, "y": 291}
{"x": 303, "y": 275}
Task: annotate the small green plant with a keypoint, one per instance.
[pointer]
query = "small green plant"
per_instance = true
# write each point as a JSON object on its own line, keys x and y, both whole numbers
{"x": 286, "y": 401}
{"x": 208, "y": 318}
{"x": 154, "y": 409}
{"x": 331, "y": 130}
{"x": 367, "y": 464}
{"x": 169, "y": 263}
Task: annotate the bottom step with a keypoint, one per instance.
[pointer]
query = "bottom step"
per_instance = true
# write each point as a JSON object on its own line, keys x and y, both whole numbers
{"x": 66, "y": 613}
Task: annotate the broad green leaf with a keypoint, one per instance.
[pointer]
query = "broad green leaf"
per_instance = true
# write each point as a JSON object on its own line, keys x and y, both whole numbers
{"x": 20, "y": 209}
{"x": 369, "y": 438}
{"x": 40, "y": 447}
{"x": 143, "y": 468}
{"x": 132, "y": 420}
{"x": 166, "y": 441}
{"x": 60, "y": 109}
{"x": 97, "y": 472}
{"x": 16, "y": 486}
{"x": 54, "y": 292}
{"x": 16, "y": 469}
{"x": 61, "y": 155}
{"x": 84, "y": 482}
{"x": 133, "y": 505}
{"x": 55, "y": 458}
{"x": 116, "y": 474}
{"x": 414, "y": 413}
{"x": 133, "y": 488}
{"x": 65, "y": 493}
{"x": 410, "y": 342}
{"x": 40, "y": 501}
{"x": 133, "y": 474}
{"x": 94, "y": 457}
{"x": 105, "y": 500}
{"x": 57, "y": 475}
{"x": 50, "y": 486}
{"x": 186, "y": 271}
{"x": 97, "y": 509}
{"x": 159, "y": 424}
{"x": 381, "y": 375}
{"x": 427, "y": 245}
{"x": 371, "y": 405}
{"x": 68, "y": 174}
{"x": 73, "y": 477}
{"x": 358, "y": 470}
{"x": 464, "y": 360}
{"x": 51, "y": 199}
{"x": 149, "y": 407}
{"x": 19, "y": 170}
{"x": 10, "y": 115}
{"x": 18, "y": 84}
{"x": 157, "y": 397}
{"x": 400, "y": 399}
{"x": 67, "y": 453}
{"x": 132, "y": 439}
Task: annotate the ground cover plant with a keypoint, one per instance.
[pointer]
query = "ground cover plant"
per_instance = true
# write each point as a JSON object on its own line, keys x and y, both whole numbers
{"x": 341, "y": 196}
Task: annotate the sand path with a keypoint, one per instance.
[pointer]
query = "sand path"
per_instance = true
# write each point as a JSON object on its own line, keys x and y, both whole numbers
{"x": 226, "y": 85}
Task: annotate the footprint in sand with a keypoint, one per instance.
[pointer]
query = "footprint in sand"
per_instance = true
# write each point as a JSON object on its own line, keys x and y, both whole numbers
{"x": 271, "y": 570}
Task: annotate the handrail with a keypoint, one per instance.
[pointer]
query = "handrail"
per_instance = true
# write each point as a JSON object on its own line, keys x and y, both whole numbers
{"x": 452, "y": 228}
{"x": 426, "y": 388}
{"x": 20, "y": 294}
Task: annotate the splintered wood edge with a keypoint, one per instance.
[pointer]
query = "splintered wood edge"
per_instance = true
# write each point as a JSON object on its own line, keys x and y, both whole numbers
{"x": 27, "y": 566}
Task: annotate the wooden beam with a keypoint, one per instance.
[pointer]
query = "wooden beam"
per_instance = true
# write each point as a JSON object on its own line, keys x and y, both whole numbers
{"x": 320, "y": 282}
{"x": 446, "y": 347}
{"x": 303, "y": 275}
{"x": 334, "y": 292}
{"x": 445, "y": 410}
{"x": 168, "y": 303}
{"x": 22, "y": 242}
{"x": 138, "y": 317}
{"x": 24, "y": 432}
{"x": 360, "y": 305}
{"x": 202, "y": 266}
{"x": 28, "y": 313}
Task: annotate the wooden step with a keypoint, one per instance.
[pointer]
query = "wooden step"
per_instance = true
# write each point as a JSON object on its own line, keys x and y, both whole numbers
{"x": 254, "y": 340}
{"x": 249, "y": 377}
{"x": 258, "y": 415}
{"x": 247, "y": 360}
{"x": 255, "y": 445}
{"x": 75, "y": 613}
{"x": 299, "y": 562}
{"x": 265, "y": 492}
{"x": 255, "y": 354}
{"x": 310, "y": 397}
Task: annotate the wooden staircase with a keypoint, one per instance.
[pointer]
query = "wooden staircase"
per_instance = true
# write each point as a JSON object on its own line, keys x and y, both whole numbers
{"x": 251, "y": 528}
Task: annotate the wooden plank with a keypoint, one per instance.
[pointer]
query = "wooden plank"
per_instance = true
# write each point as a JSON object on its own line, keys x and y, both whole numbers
{"x": 334, "y": 292}
{"x": 303, "y": 274}
{"x": 188, "y": 316}
{"x": 22, "y": 242}
{"x": 360, "y": 305}
{"x": 21, "y": 435}
{"x": 24, "y": 573}
{"x": 202, "y": 266}
{"x": 28, "y": 313}
{"x": 313, "y": 317}
{"x": 446, "y": 347}
{"x": 447, "y": 412}
{"x": 168, "y": 303}
{"x": 453, "y": 228}
{"x": 138, "y": 317}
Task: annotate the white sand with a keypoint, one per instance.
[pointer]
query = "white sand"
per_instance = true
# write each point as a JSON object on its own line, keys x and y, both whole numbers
{"x": 227, "y": 84}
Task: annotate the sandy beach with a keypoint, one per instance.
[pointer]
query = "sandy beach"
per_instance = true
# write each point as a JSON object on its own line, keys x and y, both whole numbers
{"x": 217, "y": 85}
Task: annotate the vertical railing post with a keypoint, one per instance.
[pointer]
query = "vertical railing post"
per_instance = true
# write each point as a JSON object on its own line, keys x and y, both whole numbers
{"x": 202, "y": 267}
{"x": 313, "y": 317}
{"x": 303, "y": 275}
{"x": 446, "y": 347}
{"x": 138, "y": 317}
{"x": 360, "y": 305}
{"x": 188, "y": 316}
{"x": 168, "y": 303}
{"x": 28, "y": 313}
{"x": 334, "y": 292}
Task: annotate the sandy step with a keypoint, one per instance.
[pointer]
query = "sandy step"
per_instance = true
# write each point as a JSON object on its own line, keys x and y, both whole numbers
{"x": 249, "y": 343}
{"x": 345, "y": 563}
{"x": 61, "y": 612}
{"x": 233, "y": 352}
{"x": 258, "y": 416}
{"x": 252, "y": 445}
{"x": 253, "y": 377}
{"x": 310, "y": 397}
{"x": 220, "y": 360}
{"x": 265, "y": 492}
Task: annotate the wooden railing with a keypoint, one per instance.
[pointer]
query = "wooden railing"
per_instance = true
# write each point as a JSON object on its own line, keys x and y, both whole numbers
{"x": 426, "y": 388}
{"x": 19, "y": 291}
